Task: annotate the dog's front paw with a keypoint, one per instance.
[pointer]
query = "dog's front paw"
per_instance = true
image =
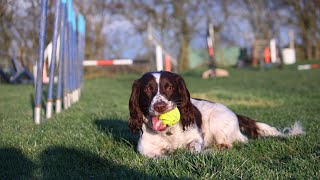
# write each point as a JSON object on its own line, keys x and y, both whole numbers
{"x": 156, "y": 154}
{"x": 195, "y": 146}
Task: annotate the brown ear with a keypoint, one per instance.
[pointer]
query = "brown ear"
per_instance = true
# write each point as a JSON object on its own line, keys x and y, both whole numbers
{"x": 186, "y": 108}
{"x": 136, "y": 115}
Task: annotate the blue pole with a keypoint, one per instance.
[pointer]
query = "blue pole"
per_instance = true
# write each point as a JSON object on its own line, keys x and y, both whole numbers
{"x": 70, "y": 67}
{"x": 80, "y": 49}
{"x": 69, "y": 63}
{"x": 83, "y": 30}
{"x": 74, "y": 59}
{"x": 62, "y": 59}
{"x": 53, "y": 60}
{"x": 42, "y": 39}
{"x": 77, "y": 68}
{"x": 66, "y": 69}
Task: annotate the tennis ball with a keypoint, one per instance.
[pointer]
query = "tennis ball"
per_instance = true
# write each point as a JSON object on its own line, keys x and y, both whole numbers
{"x": 170, "y": 118}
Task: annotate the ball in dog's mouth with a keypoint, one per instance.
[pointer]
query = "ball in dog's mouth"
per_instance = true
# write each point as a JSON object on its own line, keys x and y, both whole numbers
{"x": 157, "y": 124}
{"x": 172, "y": 117}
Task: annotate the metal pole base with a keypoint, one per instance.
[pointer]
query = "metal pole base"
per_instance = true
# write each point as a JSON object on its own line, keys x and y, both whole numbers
{"x": 58, "y": 105}
{"x": 65, "y": 102}
{"x": 37, "y": 115}
{"x": 49, "y": 110}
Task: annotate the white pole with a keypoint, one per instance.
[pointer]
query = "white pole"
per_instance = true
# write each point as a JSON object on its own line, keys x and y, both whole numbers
{"x": 159, "y": 58}
{"x": 291, "y": 39}
{"x": 58, "y": 105}
{"x": 211, "y": 33}
{"x": 273, "y": 51}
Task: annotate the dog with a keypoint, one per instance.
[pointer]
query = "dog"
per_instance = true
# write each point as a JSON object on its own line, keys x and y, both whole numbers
{"x": 203, "y": 124}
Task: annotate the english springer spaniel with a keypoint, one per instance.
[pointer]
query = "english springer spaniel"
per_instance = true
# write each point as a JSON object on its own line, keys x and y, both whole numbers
{"x": 203, "y": 124}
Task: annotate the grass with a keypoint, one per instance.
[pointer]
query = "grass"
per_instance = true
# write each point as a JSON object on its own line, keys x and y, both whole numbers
{"x": 92, "y": 139}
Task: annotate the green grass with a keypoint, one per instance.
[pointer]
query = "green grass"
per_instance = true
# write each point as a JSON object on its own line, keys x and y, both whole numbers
{"x": 92, "y": 139}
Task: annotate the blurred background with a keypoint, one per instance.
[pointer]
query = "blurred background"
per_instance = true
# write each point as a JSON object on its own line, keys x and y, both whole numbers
{"x": 118, "y": 29}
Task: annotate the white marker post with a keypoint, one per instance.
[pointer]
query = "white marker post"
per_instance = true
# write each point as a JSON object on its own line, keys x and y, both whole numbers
{"x": 273, "y": 50}
{"x": 159, "y": 58}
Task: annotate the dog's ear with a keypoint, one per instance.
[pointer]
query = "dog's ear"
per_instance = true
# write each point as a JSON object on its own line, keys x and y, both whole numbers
{"x": 185, "y": 107}
{"x": 136, "y": 115}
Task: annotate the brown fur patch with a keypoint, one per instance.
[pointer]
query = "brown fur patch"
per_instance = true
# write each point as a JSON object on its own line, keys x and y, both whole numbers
{"x": 198, "y": 116}
{"x": 248, "y": 125}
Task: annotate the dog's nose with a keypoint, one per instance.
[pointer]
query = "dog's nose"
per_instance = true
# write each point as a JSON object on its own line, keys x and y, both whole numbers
{"x": 160, "y": 106}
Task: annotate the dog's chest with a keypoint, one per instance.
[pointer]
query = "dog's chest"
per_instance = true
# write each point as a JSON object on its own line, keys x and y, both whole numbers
{"x": 178, "y": 138}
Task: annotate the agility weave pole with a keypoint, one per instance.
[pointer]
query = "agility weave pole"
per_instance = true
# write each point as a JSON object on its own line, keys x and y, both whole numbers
{"x": 71, "y": 55}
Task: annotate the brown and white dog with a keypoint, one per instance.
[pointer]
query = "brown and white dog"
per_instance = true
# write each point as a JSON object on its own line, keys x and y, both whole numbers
{"x": 203, "y": 124}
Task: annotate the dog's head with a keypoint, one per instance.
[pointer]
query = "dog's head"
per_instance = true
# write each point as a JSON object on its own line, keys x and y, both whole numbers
{"x": 156, "y": 93}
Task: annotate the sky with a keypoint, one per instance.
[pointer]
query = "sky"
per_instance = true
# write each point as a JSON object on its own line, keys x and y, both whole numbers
{"x": 120, "y": 30}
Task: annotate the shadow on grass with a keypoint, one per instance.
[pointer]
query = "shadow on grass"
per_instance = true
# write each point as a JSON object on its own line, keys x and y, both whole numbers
{"x": 62, "y": 162}
{"x": 118, "y": 129}
{"x": 15, "y": 165}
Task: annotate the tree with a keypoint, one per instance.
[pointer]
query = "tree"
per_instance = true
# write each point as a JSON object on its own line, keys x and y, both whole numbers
{"x": 177, "y": 22}
{"x": 306, "y": 20}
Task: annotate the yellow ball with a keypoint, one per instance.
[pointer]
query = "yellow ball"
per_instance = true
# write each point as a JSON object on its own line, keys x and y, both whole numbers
{"x": 170, "y": 118}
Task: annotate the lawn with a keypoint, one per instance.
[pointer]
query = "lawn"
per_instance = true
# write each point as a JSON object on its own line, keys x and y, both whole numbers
{"x": 92, "y": 139}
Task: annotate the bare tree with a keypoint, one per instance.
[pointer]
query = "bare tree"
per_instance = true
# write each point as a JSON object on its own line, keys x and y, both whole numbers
{"x": 306, "y": 20}
{"x": 177, "y": 22}
{"x": 19, "y": 30}
{"x": 6, "y": 19}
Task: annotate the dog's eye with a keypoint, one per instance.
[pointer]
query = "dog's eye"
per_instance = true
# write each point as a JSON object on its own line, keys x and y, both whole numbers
{"x": 169, "y": 88}
{"x": 148, "y": 89}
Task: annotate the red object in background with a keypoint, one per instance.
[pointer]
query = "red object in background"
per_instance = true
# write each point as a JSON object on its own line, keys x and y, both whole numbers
{"x": 104, "y": 62}
{"x": 267, "y": 56}
{"x": 210, "y": 51}
{"x": 210, "y": 46}
{"x": 167, "y": 62}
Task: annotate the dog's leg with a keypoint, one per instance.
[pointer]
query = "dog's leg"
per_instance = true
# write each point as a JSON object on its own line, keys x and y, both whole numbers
{"x": 224, "y": 146}
{"x": 195, "y": 146}
{"x": 152, "y": 145}
{"x": 222, "y": 139}
{"x": 150, "y": 150}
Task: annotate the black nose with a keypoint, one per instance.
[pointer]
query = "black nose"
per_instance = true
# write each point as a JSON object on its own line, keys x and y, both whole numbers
{"x": 160, "y": 106}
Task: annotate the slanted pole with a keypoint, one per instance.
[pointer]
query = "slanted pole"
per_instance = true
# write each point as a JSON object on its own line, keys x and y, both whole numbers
{"x": 53, "y": 60}
{"x": 61, "y": 57}
{"x": 42, "y": 39}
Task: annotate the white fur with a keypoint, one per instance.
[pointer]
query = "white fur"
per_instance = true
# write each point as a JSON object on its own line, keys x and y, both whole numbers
{"x": 159, "y": 97}
{"x": 219, "y": 124}
{"x": 296, "y": 129}
{"x": 266, "y": 130}
{"x": 157, "y": 77}
{"x": 155, "y": 144}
